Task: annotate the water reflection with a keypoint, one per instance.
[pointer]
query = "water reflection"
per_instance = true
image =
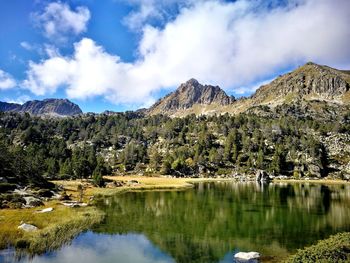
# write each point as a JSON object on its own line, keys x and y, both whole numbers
{"x": 204, "y": 223}
{"x": 91, "y": 248}
{"x": 209, "y": 222}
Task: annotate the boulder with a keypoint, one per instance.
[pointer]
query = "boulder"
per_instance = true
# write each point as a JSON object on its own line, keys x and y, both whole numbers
{"x": 247, "y": 255}
{"x": 74, "y": 204}
{"x": 46, "y": 210}
{"x": 262, "y": 176}
{"x": 27, "y": 227}
{"x": 32, "y": 201}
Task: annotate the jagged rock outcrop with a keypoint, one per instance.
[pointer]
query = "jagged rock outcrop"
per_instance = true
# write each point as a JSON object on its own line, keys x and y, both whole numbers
{"x": 190, "y": 94}
{"x": 51, "y": 107}
{"x": 308, "y": 82}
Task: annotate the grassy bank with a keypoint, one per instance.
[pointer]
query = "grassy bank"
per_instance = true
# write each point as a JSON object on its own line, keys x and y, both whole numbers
{"x": 63, "y": 223}
{"x": 144, "y": 183}
{"x": 54, "y": 228}
{"x": 333, "y": 249}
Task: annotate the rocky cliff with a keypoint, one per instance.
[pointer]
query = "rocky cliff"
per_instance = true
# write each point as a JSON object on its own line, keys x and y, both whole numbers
{"x": 308, "y": 82}
{"x": 190, "y": 94}
{"x": 51, "y": 107}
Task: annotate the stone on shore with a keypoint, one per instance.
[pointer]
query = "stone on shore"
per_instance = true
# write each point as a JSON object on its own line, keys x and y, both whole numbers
{"x": 247, "y": 255}
{"x": 262, "y": 176}
{"x": 46, "y": 210}
{"x": 27, "y": 227}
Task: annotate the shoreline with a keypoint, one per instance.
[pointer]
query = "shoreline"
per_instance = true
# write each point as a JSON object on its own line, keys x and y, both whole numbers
{"x": 312, "y": 181}
{"x": 64, "y": 223}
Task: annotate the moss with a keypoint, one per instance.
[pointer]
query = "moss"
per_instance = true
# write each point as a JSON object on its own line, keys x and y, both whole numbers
{"x": 334, "y": 249}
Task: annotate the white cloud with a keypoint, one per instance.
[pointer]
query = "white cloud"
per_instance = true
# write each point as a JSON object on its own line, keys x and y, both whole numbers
{"x": 26, "y": 46}
{"x": 230, "y": 44}
{"x": 146, "y": 10}
{"x": 19, "y": 100}
{"x": 58, "y": 21}
{"x": 6, "y": 81}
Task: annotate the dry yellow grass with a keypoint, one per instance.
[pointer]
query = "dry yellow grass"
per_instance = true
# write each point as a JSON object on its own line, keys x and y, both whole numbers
{"x": 54, "y": 228}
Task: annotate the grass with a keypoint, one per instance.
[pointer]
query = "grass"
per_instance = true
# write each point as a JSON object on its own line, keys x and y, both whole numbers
{"x": 54, "y": 228}
{"x": 333, "y": 249}
{"x": 144, "y": 183}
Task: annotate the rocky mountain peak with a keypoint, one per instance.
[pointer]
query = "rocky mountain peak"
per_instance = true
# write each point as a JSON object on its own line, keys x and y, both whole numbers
{"x": 189, "y": 94}
{"x": 51, "y": 107}
{"x": 309, "y": 82}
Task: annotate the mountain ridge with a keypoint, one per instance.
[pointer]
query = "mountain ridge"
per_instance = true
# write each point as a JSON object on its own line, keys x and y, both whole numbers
{"x": 307, "y": 83}
{"x": 46, "y": 107}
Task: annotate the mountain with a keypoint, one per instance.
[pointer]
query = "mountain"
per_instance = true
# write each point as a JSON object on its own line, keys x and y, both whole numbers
{"x": 310, "y": 88}
{"x": 309, "y": 82}
{"x": 192, "y": 95}
{"x": 51, "y": 107}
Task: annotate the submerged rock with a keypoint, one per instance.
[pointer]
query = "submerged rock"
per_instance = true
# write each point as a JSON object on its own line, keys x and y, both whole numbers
{"x": 27, "y": 227}
{"x": 247, "y": 255}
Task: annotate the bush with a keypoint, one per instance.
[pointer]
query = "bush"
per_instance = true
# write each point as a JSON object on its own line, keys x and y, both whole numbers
{"x": 334, "y": 249}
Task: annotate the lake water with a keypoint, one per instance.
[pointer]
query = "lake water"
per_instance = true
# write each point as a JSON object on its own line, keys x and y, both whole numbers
{"x": 209, "y": 223}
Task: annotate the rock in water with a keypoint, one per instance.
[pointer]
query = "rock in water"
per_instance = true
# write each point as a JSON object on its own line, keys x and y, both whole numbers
{"x": 27, "y": 227}
{"x": 262, "y": 176}
{"x": 247, "y": 255}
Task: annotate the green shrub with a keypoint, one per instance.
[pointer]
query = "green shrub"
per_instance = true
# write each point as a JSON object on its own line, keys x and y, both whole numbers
{"x": 334, "y": 249}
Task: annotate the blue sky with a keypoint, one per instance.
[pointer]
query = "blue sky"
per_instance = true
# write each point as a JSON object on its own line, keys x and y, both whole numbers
{"x": 125, "y": 54}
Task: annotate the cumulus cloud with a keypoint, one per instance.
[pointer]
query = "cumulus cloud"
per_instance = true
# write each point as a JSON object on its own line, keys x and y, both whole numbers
{"x": 230, "y": 44}
{"x": 58, "y": 21}
{"x": 19, "y": 100}
{"x": 147, "y": 10}
{"x": 6, "y": 81}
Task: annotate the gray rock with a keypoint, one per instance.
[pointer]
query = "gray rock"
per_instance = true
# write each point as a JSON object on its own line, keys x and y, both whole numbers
{"x": 262, "y": 176}
{"x": 32, "y": 201}
{"x": 27, "y": 227}
{"x": 247, "y": 255}
{"x": 46, "y": 210}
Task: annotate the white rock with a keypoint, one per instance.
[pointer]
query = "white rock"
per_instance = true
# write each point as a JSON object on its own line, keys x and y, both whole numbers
{"x": 46, "y": 210}
{"x": 247, "y": 255}
{"x": 73, "y": 204}
{"x": 27, "y": 227}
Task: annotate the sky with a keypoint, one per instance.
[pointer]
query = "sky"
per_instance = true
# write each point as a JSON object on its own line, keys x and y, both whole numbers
{"x": 125, "y": 54}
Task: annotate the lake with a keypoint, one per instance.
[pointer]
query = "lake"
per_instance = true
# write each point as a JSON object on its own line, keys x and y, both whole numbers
{"x": 208, "y": 223}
